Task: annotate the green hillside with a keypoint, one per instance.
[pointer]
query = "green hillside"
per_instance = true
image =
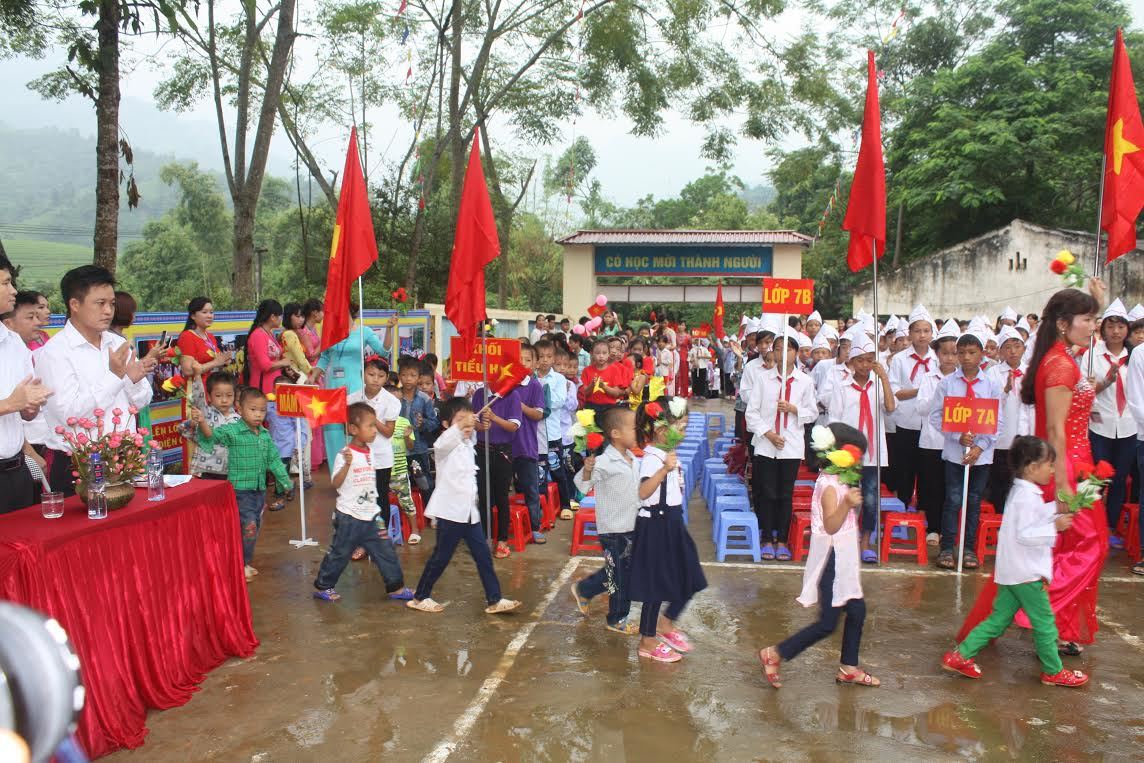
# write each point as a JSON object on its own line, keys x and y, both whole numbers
{"x": 42, "y": 262}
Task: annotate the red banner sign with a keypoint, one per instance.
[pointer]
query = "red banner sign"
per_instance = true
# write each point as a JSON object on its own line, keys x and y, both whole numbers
{"x": 287, "y": 400}
{"x": 468, "y": 367}
{"x": 167, "y": 435}
{"x": 975, "y": 415}
{"x": 789, "y": 296}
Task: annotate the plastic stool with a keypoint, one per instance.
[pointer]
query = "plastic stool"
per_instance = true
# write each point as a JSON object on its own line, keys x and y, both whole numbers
{"x": 988, "y": 525}
{"x": 726, "y": 486}
{"x": 419, "y": 504}
{"x": 398, "y": 526}
{"x": 550, "y": 508}
{"x": 716, "y": 421}
{"x": 1128, "y": 528}
{"x": 725, "y": 503}
{"x": 520, "y": 527}
{"x": 581, "y": 534}
{"x": 987, "y": 508}
{"x": 738, "y": 534}
{"x": 889, "y": 503}
{"x": 797, "y": 540}
{"x": 915, "y": 548}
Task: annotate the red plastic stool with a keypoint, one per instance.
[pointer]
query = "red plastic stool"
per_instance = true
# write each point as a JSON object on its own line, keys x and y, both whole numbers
{"x": 419, "y": 504}
{"x": 797, "y": 540}
{"x": 580, "y": 540}
{"x": 551, "y": 508}
{"x": 520, "y": 527}
{"x": 987, "y": 508}
{"x": 988, "y": 526}
{"x": 1129, "y": 530}
{"x": 916, "y": 547}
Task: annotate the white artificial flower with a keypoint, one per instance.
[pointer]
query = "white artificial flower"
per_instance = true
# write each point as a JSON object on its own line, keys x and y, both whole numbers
{"x": 822, "y": 439}
{"x": 578, "y": 430}
{"x": 678, "y": 407}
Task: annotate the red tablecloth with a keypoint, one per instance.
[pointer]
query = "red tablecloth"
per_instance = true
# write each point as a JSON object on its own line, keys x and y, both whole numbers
{"x": 152, "y": 598}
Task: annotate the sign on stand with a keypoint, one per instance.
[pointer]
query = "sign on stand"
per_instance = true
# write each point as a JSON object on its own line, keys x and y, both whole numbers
{"x": 789, "y": 296}
{"x": 288, "y": 406}
{"x": 968, "y": 415}
{"x": 468, "y": 367}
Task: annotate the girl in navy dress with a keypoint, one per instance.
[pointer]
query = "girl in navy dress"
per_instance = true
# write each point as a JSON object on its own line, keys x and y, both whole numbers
{"x": 665, "y": 562}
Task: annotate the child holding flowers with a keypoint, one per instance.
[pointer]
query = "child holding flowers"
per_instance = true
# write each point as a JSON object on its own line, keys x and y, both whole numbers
{"x": 832, "y": 575}
{"x": 665, "y": 562}
{"x": 1025, "y": 562}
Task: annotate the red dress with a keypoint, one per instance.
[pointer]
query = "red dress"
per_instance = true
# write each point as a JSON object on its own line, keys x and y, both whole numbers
{"x": 683, "y": 376}
{"x": 1078, "y": 557}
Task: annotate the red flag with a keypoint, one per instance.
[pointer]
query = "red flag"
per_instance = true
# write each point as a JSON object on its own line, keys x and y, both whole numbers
{"x": 718, "y": 319}
{"x": 353, "y": 249}
{"x": 866, "y": 210}
{"x": 511, "y": 375}
{"x": 475, "y": 244}
{"x": 1124, "y": 161}
{"x": 322, "y": 406}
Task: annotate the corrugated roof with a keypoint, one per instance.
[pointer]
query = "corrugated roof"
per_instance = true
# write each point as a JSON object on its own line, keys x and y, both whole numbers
{"x": 680, "y": 237}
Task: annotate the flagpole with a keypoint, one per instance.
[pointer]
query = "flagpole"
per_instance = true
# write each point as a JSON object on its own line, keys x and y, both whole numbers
{"x": 488, "y": 464}
{"x": 877, "y": 444}
{"x": 361, "y": 328}
{"x": 306, "y": 540}
{"x": 1096, "y": 266}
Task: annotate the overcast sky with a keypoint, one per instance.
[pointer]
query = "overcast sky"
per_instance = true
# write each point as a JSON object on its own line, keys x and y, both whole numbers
{"x": 629, "y": 167}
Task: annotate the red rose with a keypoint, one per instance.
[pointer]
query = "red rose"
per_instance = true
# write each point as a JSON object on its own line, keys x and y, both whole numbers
{"x": 178, "y": 381}
{"x": 172, "y": 352}
{"x": 595, "y": 440}
{"x": 1058, "y": 267}
{"x": 853, "y": 451}
{"x": 1084, "y": 469}
{"x": 653, "y": 410}
{"x": 400, "y": 295}
{"x": 1104, "y": 471}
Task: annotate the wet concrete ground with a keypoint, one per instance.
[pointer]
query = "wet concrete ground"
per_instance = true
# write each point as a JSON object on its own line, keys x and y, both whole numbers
{"x": 368, "y": 679}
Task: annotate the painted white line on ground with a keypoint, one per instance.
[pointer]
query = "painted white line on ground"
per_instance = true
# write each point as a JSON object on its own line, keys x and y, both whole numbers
{"x": 467, "y": 719}
{"x": 1129, "y": 638}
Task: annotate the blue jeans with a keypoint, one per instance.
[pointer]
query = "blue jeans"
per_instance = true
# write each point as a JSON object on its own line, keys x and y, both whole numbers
{"x": 1140, "y": 476}
{"x": 557, "y": 467}
{"x": 954, "y": 477}
{"x": 871, "y": 498}
{"x": 449, "y": 534}
{"x": 613, "y": 577}
{"x": 527, "y": 475}
{"x": 1119, "y": 452}
{"x": 250, "y": 505}
{"x": 350, "y": 533}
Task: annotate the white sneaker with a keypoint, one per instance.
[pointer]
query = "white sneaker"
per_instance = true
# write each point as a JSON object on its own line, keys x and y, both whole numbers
{"x": 414, "y": 539}
{"x": 933, "y": 539}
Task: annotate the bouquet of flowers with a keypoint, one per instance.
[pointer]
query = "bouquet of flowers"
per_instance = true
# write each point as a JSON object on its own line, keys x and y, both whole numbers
{"x": 586, "y": 435}
{"x": 400, "y": 300}
{"x": 1091, "y": 481}
{"x": 122, "y": 450}
{"x": 1065, "y": 265}
{"x": 671, "y": 417}
{"x": 845, "y": 462}
{"x": 176, "y": 386}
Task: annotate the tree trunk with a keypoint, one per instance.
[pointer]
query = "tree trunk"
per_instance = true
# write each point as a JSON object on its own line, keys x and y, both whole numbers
{"x": 458, "y": 141}
{"x": 106, "y": 238}
{"x": 243, "y": 275}
{"x": 898, "y": 236}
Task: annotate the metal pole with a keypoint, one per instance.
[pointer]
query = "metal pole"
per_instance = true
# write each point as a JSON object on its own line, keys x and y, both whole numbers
{"x": 877, "y": 444}
{"x": 361, "y": 326}
{"x": 306, "y": 540}
{"x": 488, "y": 464}
{"x": 964, "y": 505}
{"x": 1096, "y": 264}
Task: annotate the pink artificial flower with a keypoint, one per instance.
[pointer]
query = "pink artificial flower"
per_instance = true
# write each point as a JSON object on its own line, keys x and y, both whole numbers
{"x": 98, "y": 413}
{"x": 72, "y": 421}
{"x": 75, "y": 474}
{"x": 81, "y": 439}
{"x": 132, "y": 410}
{"x": 60, "y": 430}
{"x": 115, "y": 442}
{"x": 144, "y": 431}
{"x": 138, "y": 441}
{"x": 116, "y": 420}
{"x": 117, "y": 412}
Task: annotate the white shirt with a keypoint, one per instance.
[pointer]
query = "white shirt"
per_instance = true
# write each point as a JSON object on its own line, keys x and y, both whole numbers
{"x": 751, "y": 375}
{"x": 81, "y": 378}
{"x": 700, "y": 357}
{"x": 615, "y": 480}
{"x": 931, "y": 437}
{"x": 455, "y": 494}
{"x": 1014, "y": 421}
{"x": 1026, "y": 538}
{"x": 844, "y": 407}
{"x": 1106, "y": 420}
{"x": 357, "y": 495}
{"x": 15, "y": 367}
{"x": 761, "y": 414}
{"x": 1135, "y": 390}
{"x": 388, "y": 408}
{"x": 902, "y": 366}
{"x": 535, "y": 336}
{"x": 651, "y": 463}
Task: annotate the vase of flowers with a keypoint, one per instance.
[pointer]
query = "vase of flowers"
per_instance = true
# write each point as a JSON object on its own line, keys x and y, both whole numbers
{"x": 121, "y": 449}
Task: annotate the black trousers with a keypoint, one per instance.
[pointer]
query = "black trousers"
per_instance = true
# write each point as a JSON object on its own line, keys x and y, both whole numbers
{"x": 1000, "y": 480}
{"x": 500, "y": 477}
{"x": 382, "y": 477}
{"x": 931, "y": 488}
{"x": 60, "y": 473}
{"x": 855, "y": 610}
{"x": 772, "y": 482}
{"x": 17, "y": 490}
{"x": 699, "y": 382}
{"x": 449, "y": 534}
{"x": 906, "y": 470}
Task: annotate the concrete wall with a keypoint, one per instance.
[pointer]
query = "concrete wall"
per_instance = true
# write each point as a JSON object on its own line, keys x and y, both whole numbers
{"x": 579, "y": 278}
{"x": 787, "y": 262}
{"x": 1009, "y": 266}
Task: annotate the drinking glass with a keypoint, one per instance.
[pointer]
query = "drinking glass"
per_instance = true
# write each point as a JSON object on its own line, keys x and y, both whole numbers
{"x": 52, "y": 505}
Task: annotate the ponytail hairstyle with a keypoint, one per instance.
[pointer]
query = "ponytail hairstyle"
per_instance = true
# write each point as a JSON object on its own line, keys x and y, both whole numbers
{"x": 267, "y": 308}
{"x": 665, "y": 412}
{"x": 1026, "y": 451}
{"x": 1065, "y": 305}
{"x": 196, "y": 304}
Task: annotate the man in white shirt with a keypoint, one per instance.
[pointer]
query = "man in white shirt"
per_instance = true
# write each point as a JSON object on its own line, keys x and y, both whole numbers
{"x": 87, "y": 366}
{"x": 21, "y": 396}
{"x": 907, "y": 369}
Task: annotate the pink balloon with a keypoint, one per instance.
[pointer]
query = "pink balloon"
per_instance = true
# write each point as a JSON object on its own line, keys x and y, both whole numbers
{"x": 601, "y": 300}
{"x": 578, "y": 330}
{"x": 593, "y": 324}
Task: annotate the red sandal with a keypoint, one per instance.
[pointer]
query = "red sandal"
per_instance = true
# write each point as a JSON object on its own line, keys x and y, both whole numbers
{"x": 1065, "y": 678}
{"x": 861, "y": 678}
{"x": 769, "y": 657}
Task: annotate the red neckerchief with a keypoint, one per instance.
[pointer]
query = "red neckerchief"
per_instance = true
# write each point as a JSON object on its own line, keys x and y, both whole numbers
{"x": 865, "y": 412}
{"x": 919, "y": 362}
{"x": 786, "y": 416}
{"x": 1121, "y": 398}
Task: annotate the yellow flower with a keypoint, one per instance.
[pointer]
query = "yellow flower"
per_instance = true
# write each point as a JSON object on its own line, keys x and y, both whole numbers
{"x": 840, "y": 458}
{"x": 168, "y": 386}
{"x": 1066, "y": 257}
{"x": 271, "y": 397}
{"x": 586, "y": 417}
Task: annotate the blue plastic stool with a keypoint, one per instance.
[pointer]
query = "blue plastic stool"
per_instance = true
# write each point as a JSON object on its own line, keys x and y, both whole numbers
{"x": 716, "y": 421}
{"x": 722, "y": 487}
{"x": 724, "y": 503}
{"x": 709, "y": 485}
{"x": 711, "y": 469}
{"x": 588, "y": 502}
{"x": 396, "y": 537}
{"x": 738, "y": 534}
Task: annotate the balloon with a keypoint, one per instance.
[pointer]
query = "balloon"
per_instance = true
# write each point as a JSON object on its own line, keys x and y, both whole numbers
{"x": 593, "y": 324}
{"x": 578, "y": 330}
{"x": 601, "y": 300}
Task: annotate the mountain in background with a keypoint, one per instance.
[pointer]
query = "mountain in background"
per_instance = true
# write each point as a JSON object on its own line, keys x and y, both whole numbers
{"x": 757, "y": 196}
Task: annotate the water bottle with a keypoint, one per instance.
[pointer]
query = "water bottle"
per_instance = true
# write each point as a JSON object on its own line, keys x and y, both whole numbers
{"x": 96, "y": 490}
{"x": 155, "y": 488}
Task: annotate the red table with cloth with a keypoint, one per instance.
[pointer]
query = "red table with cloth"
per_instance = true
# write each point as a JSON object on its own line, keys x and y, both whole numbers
{"x": 152, "y": 598}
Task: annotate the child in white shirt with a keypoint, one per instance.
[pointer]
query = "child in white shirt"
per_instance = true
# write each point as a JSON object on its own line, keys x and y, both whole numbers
{"x": 1024, "y": 568}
